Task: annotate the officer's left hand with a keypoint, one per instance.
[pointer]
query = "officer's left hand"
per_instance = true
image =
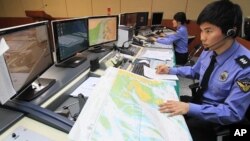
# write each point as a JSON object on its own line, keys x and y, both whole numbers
{"x": 162, "y": 35}
{"x": 174, "y": 107}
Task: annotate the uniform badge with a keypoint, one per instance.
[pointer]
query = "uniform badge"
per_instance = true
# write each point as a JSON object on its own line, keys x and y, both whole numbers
{"x": 224, "y": 76}
{"x": 244, "y": 84}
{"x": 243, "y": 61}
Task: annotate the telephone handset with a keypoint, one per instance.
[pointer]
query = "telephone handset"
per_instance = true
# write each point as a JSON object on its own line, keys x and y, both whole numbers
{"x": 137, "y": 41}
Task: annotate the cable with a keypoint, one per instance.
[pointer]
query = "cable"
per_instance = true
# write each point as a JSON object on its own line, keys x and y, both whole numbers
{"x": 124, "y": 43}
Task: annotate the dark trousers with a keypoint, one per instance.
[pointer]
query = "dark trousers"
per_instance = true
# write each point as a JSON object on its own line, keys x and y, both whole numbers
{"x": 181, "y": 58}
{"x": 200, "y": 130}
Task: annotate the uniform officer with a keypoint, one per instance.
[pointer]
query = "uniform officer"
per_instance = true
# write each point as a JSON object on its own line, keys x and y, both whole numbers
{"x": 180, "y": 39}
{"x": 223, "y": 70}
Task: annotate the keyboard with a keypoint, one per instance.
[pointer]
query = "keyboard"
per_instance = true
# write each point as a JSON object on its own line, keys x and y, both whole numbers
{"x": 135, "y": 50}
{"x": 127, "y": 51}
{"x": 132, "y": 51}
{"x": 138, "y": 68}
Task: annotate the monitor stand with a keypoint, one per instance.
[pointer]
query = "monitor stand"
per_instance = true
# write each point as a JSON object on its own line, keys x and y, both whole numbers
{"x": 97, "y": 49}
{"x": 72, "y": 62}
{"x": 38, "y": 87}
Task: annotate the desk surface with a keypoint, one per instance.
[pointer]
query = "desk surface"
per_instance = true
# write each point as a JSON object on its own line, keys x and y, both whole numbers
{"x": 66, "y": 76}
{"x": 37, "y": 127}
{"x": 64, "y": 82}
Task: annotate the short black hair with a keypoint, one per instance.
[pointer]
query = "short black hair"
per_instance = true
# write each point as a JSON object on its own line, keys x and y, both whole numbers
{"x": 224, "y": 14}
{"x": 180, "y": 17}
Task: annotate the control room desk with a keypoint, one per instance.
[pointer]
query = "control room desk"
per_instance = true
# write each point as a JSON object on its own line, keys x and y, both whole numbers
{"x": 33, "y": 114}
{"x": 67, "y": 80}
{"x": 97, "y": 111}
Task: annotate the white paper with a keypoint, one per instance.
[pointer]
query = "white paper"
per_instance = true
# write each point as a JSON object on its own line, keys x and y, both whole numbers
{"x": 159, "y": 45}
{"x": 3, "y": 47}
{"x": 6, "y": 87}
{"x": 86, "y": 87}
{"x": 151, "y": 73}
{"x": 160, "y": 55}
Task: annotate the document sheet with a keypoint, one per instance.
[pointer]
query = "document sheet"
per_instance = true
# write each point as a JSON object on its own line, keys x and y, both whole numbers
{"x": 6, "y": 88}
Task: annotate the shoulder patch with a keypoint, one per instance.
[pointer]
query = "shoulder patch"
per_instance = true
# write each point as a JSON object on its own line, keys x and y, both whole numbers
{"x": 244, "y": 84}
{"x": 243, "y": 61}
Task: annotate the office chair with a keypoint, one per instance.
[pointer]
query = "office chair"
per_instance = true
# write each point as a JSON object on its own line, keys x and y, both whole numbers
{"x": 223, "y": 132}
{"x": 190, "y": 61}
{"x": 190, "y": 39}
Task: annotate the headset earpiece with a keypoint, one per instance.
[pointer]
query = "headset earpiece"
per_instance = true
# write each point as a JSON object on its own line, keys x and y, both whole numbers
{"x": 231, "y": 32}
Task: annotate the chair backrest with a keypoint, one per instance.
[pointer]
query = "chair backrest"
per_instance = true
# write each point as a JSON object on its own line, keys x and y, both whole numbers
{"x": 192, "y": 53}
{"x": 190, "y": 39}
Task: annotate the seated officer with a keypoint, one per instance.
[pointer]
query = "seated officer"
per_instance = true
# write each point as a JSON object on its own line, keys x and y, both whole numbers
{"x": 180, "y": 39}
{"x": 223, "y": 70}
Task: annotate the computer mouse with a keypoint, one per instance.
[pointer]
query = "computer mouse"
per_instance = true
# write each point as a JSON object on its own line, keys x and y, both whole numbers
{"x": 143, "y": 61}
{"x": 77, "y": 61}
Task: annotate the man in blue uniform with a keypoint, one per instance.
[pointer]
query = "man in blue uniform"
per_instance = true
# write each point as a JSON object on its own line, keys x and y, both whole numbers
{"x": 223, "y": 70}
{"x": 180, "y": 39}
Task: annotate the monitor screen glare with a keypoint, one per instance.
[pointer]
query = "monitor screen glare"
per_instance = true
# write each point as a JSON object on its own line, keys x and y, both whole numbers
{"x": 29, "y": 53}
{"x": 70, "y": 37}
{"x": 142, "y": 19}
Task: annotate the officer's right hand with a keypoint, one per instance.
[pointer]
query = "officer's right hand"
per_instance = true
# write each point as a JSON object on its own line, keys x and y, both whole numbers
{"x": 151, "y": 39}
{"x": 162, "y": 69}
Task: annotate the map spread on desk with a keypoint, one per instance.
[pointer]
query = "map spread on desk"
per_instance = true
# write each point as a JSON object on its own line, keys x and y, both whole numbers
{"x": 124, "y": 107}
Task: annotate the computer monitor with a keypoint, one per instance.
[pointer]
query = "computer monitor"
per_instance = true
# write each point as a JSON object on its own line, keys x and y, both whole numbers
{"x": 128, "y": 19}
{"x": 156, "y": 18}
{"x": 102, "y": 30}
{"x": 246, "y": 28}
{"x": 27, "y": 58}
{"x": 141, "y": 19}
{"x": 70, "y": 36}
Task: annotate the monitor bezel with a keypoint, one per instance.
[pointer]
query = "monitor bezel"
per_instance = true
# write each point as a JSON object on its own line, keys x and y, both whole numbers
{"x": 152, "y": 18}
{"x": 109, "y": 16}
{"x": 58, "y": 58}
{"x": 21, "y": 28}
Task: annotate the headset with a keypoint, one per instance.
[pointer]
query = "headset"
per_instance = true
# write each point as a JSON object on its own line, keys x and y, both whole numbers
{"x": 230, "y": 33}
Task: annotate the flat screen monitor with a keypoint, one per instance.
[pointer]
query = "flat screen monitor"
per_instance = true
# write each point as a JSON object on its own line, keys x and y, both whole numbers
{"x": 102, "y": 30}
{"x": 27, "y": 58}
{"x": 70, "y": 36}
{"x": 156, "y": 18}
{"x": 141, "y": 19}
{"x": 128, "y": 19}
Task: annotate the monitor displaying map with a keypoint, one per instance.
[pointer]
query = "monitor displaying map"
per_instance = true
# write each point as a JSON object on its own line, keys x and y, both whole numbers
{"x": 102, "y": 29}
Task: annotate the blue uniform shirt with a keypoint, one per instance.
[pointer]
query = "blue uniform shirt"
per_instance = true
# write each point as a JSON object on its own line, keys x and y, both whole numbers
{"x": 227, "y": 97}
{"x": 180, "y": 39}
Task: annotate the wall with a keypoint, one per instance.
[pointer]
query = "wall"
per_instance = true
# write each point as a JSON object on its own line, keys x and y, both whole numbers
{"x": 78, "y": 8}
{"x": 12, "y": 12}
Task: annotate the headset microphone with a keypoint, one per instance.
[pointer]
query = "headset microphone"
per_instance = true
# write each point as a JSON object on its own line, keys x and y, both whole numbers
{"x": 230, "y": 33}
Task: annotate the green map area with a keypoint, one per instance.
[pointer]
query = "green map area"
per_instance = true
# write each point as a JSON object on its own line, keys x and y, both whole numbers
{"x": 129, "y": 111}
